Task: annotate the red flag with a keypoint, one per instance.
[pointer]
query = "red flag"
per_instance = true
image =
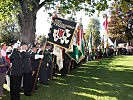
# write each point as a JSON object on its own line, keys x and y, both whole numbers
{"x": 78, "y": 35}
{"x": 105, "y": 24}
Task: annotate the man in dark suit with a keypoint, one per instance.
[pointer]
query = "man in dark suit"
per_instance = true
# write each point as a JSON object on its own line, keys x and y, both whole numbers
{"x": 15, "y": 73}
{"x": 46, "y": 65}
{"x": 34, "y": 65}
{"x": 26, "y": 69}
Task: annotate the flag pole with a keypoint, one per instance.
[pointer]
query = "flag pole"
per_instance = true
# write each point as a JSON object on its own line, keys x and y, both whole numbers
{"x": 51, "y": 76}
{"x": 39, "y": 68}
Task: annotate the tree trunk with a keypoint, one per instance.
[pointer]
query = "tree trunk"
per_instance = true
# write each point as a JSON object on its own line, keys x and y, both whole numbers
{"x": 27, "y": 19}
{"x": 28, "y": 28}
{"x": 27, "y": 22}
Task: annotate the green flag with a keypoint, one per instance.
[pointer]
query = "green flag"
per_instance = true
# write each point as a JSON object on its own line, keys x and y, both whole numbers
{"x": 78, "y": 47}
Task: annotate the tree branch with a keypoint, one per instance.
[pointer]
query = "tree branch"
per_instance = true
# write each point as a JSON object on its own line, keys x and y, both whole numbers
{"x": 21, "y": 3}
{"x": 40, "y": 5}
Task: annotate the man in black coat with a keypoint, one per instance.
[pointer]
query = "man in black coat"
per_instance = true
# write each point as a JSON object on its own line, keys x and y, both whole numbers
{"x": 15, "y": 73}
{"x": 45, "y": 69}
{"x": 26, "y": 69}
{"x": 34, "y": 65}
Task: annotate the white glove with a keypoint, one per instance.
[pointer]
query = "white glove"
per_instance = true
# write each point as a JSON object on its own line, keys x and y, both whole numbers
{"x": 19, "y": 43}
{"x": 39, "y": 56}
{"x": 16, "y": 45}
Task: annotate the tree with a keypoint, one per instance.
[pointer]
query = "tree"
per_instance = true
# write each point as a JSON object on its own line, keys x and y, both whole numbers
{"x": 121, "y": 22}
{"x": 9, "y": 30}
{"x": 26, "y": 11}
{"x": 93, "y": 28}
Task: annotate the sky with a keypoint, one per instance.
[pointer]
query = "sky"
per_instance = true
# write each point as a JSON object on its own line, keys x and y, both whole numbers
{"x": 43, "y": 21}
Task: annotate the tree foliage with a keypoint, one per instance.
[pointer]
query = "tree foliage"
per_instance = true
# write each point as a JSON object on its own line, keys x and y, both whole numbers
{"x": 93, "y": 28}
{"x": 26, "y": 11}
{"x": 121, "y": 22}
{"x": 9, "y": 30}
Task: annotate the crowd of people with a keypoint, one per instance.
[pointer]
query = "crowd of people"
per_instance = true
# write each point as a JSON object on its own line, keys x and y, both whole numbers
{"x": 23, "y": 66}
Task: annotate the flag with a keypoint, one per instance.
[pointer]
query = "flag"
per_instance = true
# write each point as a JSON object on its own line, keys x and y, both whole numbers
{"x": 58, "y": 52}
{"x": 103, "y": 44}
{"x": 105, "y": 25}
{"x": 61, "y": 32}
{"x": 107, "y": 43}
{"x": 115, "y": 46}
{"x": 78, "y": 46}
{"x": 91, "y": 48}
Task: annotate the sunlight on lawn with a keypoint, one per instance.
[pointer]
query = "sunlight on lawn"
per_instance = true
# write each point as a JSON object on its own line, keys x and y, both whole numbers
{"x": 105, "y": 79}
{"x": 128, "y": 85}
{"x": 104, "y": 83}
{"x": 95, "y": 96}
{"x": 59, "y": 83}
{"x": 126, "y": 61}
{"x": 94, "y": 90}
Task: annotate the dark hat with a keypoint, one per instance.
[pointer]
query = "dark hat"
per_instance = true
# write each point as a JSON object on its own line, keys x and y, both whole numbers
{"x": 23, "y": 43}
{"x": 13, "y": 41}
{"x": 33, "y": 46}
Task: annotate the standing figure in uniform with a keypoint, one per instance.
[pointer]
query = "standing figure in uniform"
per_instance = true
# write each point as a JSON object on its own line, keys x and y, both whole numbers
{"x": 46, "y": 65}
{"x": 26, "y": 69}
{"x": 15, "y": 73}
{"x": 34, "y": 65}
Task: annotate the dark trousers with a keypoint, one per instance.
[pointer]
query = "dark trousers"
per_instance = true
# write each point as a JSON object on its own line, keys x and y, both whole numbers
{"x": 27, "y": 83}
{"x": 15, "y": 84}
{"x": 64, "y": 70}
{"x": 44, "y": 75}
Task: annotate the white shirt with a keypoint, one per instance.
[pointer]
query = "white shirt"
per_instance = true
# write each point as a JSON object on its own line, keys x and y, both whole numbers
{"x": 3, "y": 53}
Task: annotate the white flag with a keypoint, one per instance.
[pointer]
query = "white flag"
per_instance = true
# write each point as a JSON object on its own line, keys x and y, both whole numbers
{"x": 58, "y": 52}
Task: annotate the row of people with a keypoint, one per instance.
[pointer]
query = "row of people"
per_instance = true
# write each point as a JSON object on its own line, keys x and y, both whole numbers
{"x": 28, "y": 65}
{"x": 23, "y": 65}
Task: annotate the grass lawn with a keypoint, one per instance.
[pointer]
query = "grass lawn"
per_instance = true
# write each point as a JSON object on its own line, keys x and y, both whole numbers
{"x": 105, "y": 79}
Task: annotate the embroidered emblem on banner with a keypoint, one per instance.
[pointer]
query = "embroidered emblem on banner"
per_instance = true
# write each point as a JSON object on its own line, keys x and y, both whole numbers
{"x": 61, "y": 32}
{"x": 61, "y": 35}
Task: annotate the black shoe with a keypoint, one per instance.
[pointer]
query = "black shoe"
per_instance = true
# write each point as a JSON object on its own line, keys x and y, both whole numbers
{"x": 28, "y": 94}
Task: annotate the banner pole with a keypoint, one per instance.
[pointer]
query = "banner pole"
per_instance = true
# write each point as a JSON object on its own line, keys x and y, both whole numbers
{"x": 39, "y": 68}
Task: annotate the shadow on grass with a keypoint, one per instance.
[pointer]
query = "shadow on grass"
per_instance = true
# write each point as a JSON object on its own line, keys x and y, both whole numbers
{"x": 95, "y": 80}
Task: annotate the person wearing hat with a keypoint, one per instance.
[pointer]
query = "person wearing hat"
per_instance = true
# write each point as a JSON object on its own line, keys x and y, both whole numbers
{"x": 26, "y": 69}
{"x": 46, "y": 65}
{"x": 34, "y": 65}
{"x": 15, "y": 72}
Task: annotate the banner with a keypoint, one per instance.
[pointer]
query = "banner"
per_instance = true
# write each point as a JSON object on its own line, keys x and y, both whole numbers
{"x": 58, "y": 52}
{"x": 78, "y": 46}
{"x": 61, "y": 32}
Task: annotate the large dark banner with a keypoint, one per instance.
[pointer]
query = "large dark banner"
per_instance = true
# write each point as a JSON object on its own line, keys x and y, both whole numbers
{"x": 61, "y": 32}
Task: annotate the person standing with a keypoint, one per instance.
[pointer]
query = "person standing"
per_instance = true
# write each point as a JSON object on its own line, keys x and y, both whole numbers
{"x": 26, "y": 69}
{"x": 3, "y": 69}
{"x": 34, "y": 65}
{"x": 15, "y": 73}
{"x": 4, "y": 54}
{"x": 46, "y": 65}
